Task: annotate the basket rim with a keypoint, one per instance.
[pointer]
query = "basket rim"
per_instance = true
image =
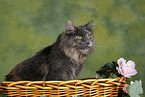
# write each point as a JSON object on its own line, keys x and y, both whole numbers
{"x": 83, "y": 79}
{"x": 79, "y": 81}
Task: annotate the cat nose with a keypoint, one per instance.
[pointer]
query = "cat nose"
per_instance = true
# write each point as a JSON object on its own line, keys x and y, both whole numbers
{"x": 88, "y": 42}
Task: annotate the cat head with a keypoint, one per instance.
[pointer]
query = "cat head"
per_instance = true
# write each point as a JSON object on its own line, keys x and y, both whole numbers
{"x": 78, "y": 39}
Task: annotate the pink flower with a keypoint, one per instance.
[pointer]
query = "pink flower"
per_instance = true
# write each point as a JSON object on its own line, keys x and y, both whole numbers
{"x": 125, "y": 88}
{"x": 126, "y": 69}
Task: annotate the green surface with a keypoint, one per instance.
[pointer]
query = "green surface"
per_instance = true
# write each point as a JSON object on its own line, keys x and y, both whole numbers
{"x": 27, "y": 26}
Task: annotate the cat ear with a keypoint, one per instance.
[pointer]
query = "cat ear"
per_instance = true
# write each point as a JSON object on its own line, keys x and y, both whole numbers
{"x": 89, "y": 25}
{"x": 69, "y": 26}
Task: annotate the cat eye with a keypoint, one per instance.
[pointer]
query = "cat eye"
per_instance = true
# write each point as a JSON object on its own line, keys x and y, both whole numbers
{"x": 79, "y": 37}
{"x": 89, "y": 36}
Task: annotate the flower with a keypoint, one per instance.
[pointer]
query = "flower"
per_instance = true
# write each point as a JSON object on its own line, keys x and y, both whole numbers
{"x": 135, "y": 88}
{"x": 126, "y": 69}
{"x": 125, "y": 88}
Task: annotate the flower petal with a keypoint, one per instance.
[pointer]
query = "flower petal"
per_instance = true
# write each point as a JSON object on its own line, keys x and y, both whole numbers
{"x": 140, "y": 81}
{"x": 125, "y": 88}
{"x": 121, "y": 61}
{"x": 118, "y": 70}
{"x": 131, "y": 64}
{"x": 131, "y": 82}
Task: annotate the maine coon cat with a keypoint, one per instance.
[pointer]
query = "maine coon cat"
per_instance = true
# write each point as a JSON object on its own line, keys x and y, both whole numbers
{"x": 63, "y": 60}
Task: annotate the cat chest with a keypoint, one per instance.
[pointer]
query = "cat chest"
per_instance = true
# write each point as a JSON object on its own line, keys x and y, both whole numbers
{"x": 73, "y": 70}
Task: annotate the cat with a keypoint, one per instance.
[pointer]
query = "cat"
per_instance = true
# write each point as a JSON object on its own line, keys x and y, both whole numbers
{"x": 63, "y": 60}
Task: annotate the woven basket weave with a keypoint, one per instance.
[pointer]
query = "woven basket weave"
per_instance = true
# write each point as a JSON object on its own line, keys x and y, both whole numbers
{"x": 89, "y": 87}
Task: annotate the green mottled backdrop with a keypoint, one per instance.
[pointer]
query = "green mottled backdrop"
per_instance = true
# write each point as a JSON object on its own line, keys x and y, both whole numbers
{"x": 26, "y": 26}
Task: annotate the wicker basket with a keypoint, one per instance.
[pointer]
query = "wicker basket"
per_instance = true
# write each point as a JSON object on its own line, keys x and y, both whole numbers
{"x": 89, "y": 87}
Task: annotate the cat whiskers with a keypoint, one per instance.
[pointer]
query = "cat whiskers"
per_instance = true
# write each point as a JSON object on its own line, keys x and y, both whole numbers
{"x": 96, "y": 46}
